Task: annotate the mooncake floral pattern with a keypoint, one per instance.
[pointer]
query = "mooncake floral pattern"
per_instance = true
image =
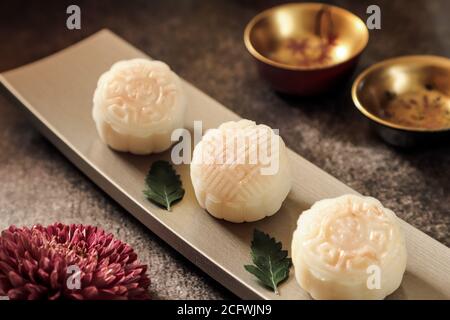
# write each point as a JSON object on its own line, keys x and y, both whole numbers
{"x": 137, "y": 95}
{"x": 352, "y": 235}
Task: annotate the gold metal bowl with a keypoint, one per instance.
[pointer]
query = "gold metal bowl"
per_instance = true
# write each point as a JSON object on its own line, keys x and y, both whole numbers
{"x": 305, "y": 48}
{"x": 406, "y": 98}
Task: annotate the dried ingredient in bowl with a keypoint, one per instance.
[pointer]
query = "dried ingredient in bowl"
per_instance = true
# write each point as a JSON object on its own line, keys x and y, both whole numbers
{"x": 311, "y": 51}
{"x": 428, "y": 109}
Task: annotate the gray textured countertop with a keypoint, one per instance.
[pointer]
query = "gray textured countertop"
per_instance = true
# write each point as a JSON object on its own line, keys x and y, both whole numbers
{"x": 202, "y": 41}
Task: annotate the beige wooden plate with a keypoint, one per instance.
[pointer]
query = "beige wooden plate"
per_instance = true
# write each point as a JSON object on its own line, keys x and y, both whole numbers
{"x": 57, "y": 91}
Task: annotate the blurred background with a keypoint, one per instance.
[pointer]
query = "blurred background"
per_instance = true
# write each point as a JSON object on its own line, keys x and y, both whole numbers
{"x": 203, "y": 42}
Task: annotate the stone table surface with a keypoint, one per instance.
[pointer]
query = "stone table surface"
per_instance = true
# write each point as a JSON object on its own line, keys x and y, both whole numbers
{"x": 202, "y": 42}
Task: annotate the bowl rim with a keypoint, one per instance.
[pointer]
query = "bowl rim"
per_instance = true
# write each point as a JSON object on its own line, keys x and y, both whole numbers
{"x": 260, "y": 57}
{"x": 431, "y": 59}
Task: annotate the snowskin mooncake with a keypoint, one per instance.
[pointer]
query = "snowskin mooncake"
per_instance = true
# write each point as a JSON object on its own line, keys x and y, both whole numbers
{"x": 349, "y": 247}
{"x": 240, "y": 171}
{"x": 137, "y": 105}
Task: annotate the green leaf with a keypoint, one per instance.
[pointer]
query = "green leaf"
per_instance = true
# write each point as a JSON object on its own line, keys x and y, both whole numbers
{"x": 162, "y": 185}
{"x": 271, "y": 263}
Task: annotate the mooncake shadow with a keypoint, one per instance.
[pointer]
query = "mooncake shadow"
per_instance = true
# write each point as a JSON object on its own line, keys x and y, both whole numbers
{"x": 414, "y": 288}
{"x": 281, "y": 225}
{"x": 143, "y": 162}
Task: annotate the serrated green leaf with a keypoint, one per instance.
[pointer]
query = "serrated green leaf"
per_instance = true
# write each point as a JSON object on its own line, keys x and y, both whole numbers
{"x": 271, "y": 263}
{"x": 162, "y": 185}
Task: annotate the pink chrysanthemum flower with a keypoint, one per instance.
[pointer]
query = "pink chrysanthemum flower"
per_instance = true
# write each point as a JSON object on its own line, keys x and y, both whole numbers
{"x": 69, "y": 262}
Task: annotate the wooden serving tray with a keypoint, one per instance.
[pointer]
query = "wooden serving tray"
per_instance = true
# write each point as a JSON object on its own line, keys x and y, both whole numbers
{"x": 57, "y": 92}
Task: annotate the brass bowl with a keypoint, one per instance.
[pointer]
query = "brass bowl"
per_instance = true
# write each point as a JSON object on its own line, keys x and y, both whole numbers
{"x": 407, "y": 99}
{"x": 305, "y": 48}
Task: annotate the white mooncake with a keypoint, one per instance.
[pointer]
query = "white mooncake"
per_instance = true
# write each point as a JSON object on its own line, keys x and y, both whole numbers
{"x": 240, "y": 171}
{"x": 137, "y": 105}
{"x": 349, "y": 247}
